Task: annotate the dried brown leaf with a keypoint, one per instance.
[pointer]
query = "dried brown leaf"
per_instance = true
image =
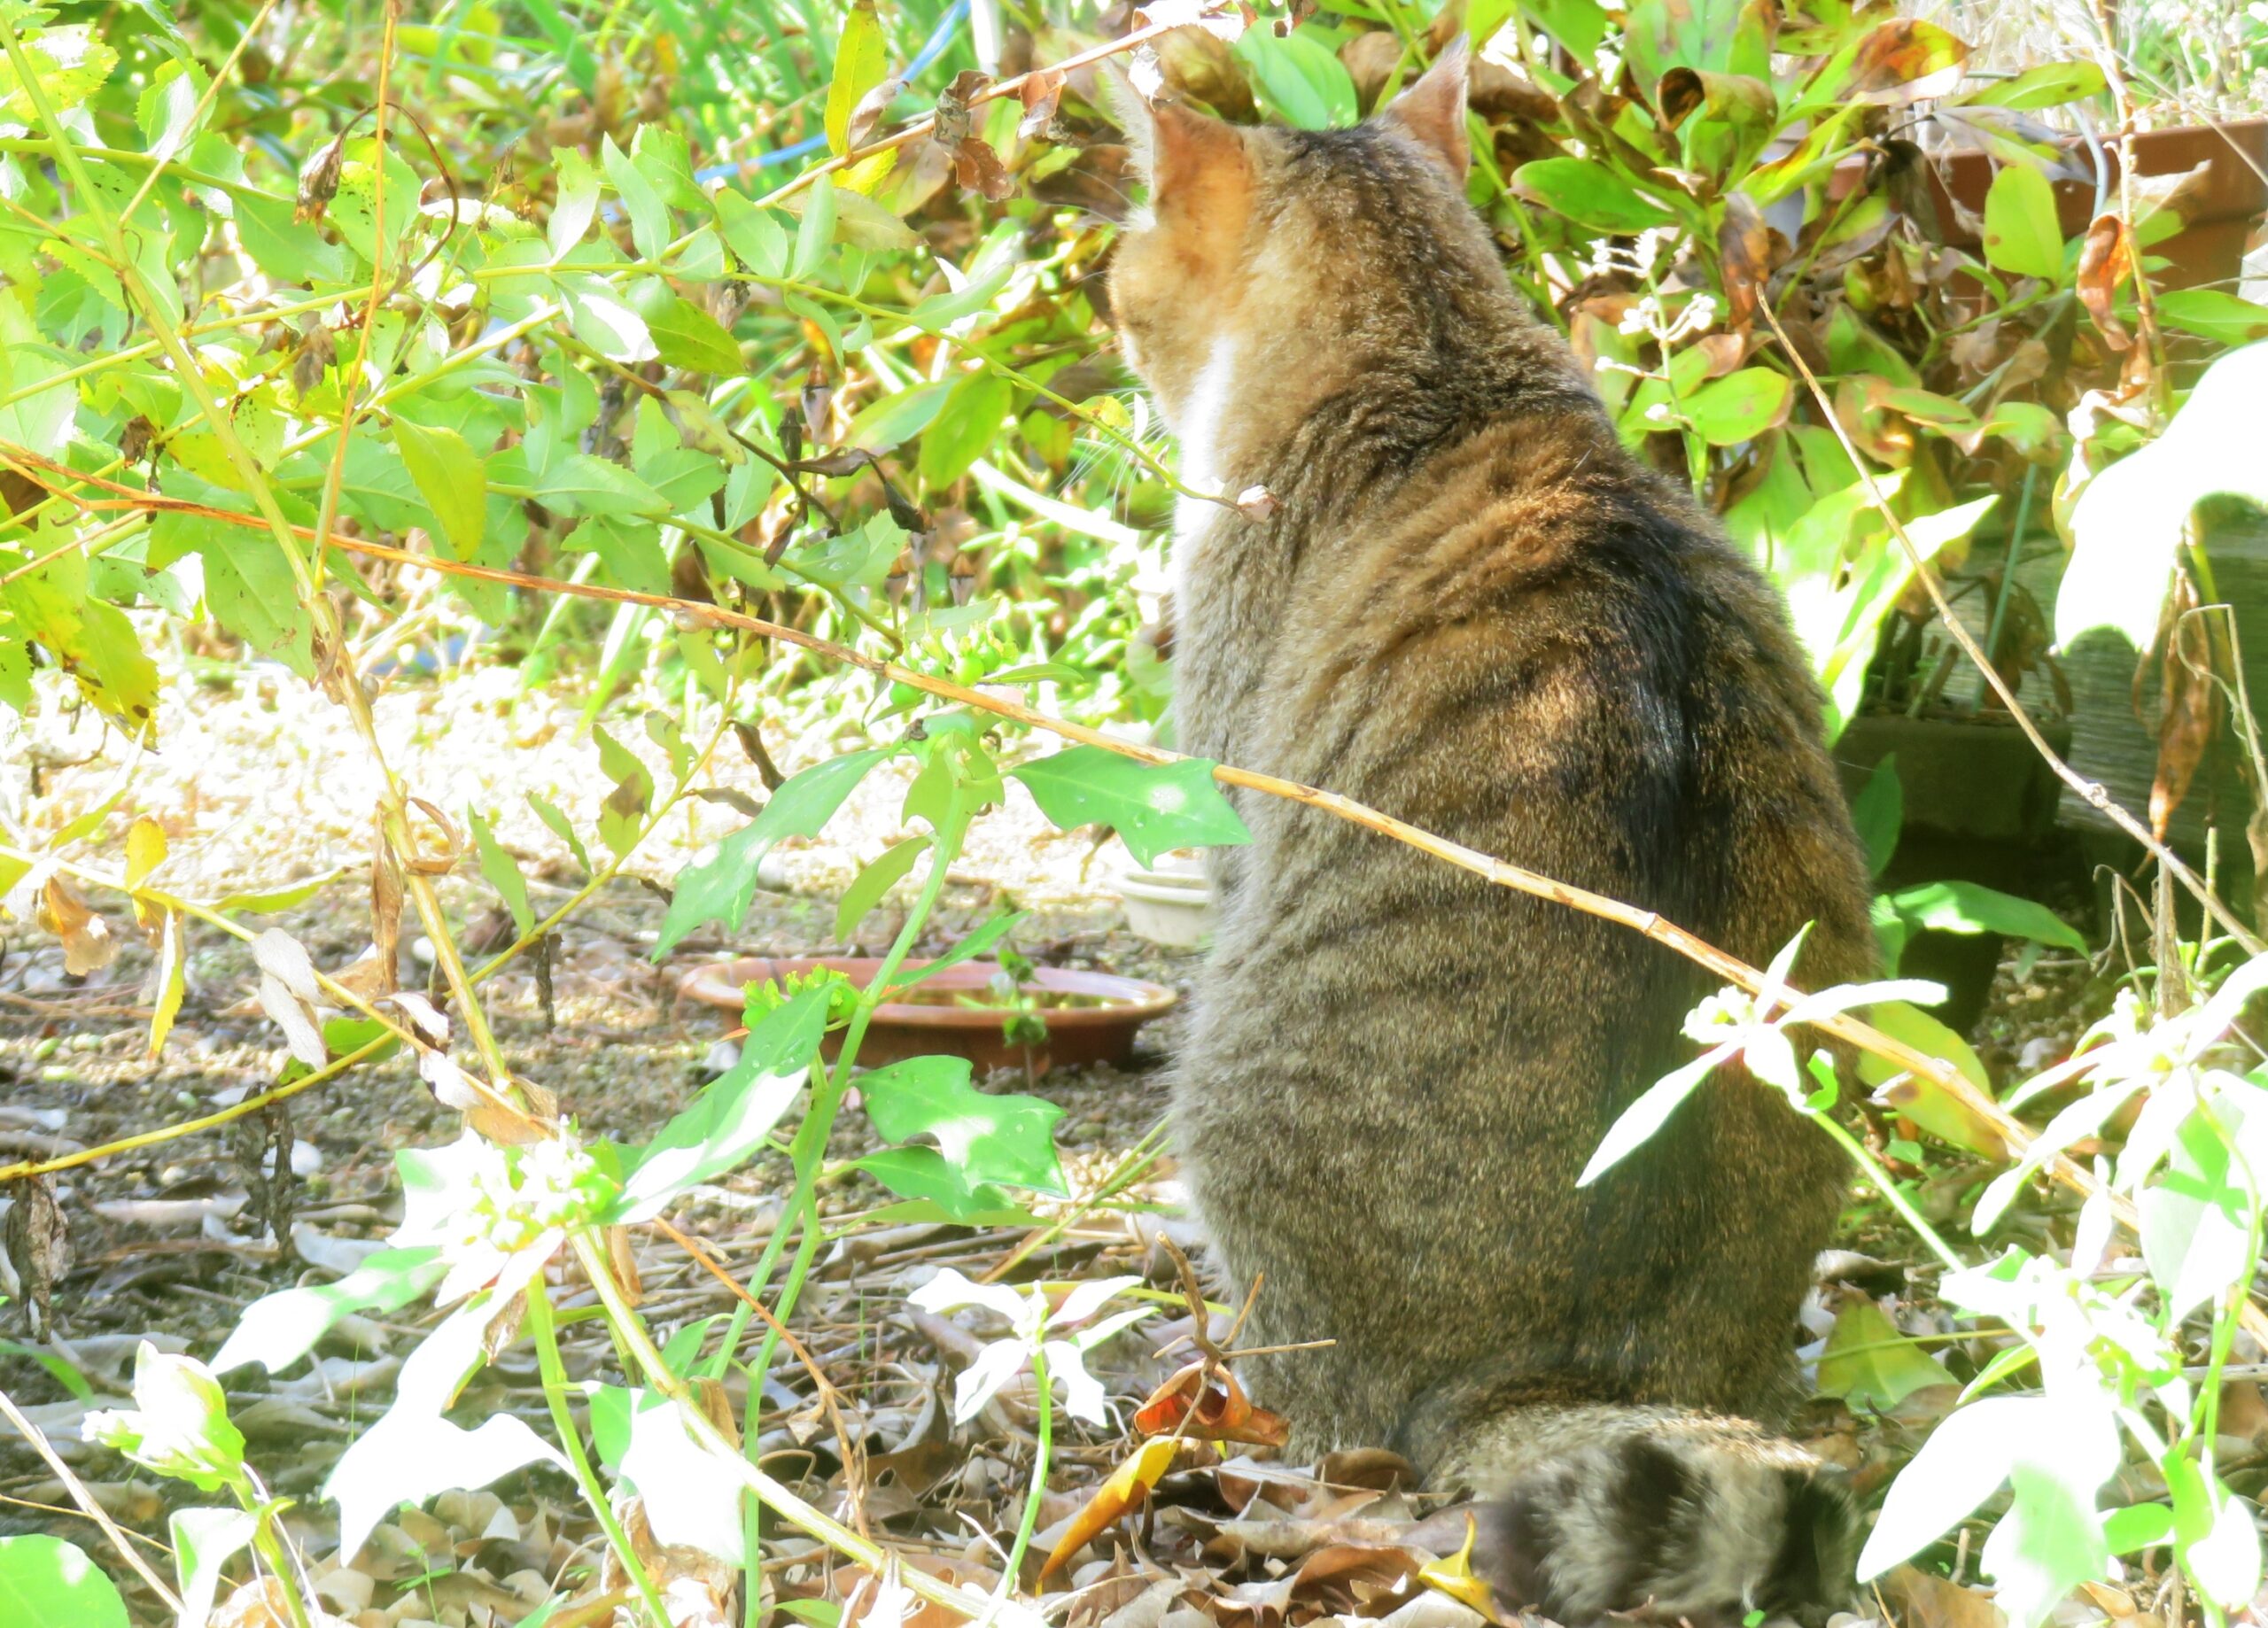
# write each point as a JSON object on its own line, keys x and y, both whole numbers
{"x": 1041, "y": 93}
{"x": 2106, "y": 260}
{"x": 87, "y": 946}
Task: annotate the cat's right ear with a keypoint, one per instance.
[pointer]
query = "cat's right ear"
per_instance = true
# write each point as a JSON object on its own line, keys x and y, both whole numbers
{"x": 1196, "y": 166}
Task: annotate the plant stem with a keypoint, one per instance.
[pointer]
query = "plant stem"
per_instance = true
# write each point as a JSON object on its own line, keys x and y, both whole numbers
{"x": 1045, "y": 1388}
{"x": 1884, "y": 1184}
{"x": 570, "y": 1438}
{"x": 270, "y": 1549}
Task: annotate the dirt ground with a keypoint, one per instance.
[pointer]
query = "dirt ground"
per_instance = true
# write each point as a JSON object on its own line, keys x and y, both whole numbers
{"x": 260, "y": 782}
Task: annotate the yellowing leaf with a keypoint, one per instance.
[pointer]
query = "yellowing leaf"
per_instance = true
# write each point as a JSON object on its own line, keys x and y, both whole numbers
{"x": 1129, "y": 1484}
{"x": 1869, "y": 1364}
{"x": 2021, "y": 234}
{"x": 860, "y": 61}
{"x": 1454, "y": 1576}
{"x": 145, "y": 849}
{"x": 1927, "y": 1105}
{"x": 172, "y": 979}
{"x": 452, "y": 479}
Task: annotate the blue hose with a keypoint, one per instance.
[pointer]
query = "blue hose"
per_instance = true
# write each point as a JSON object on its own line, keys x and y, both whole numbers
{"x": 948, "y": 28}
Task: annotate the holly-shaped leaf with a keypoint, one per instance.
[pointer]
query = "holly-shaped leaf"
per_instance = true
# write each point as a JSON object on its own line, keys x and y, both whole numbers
{"x": 1006, "y": 1138}
{"x": 1154, "y": 808}
{"x": 718, "y": 888}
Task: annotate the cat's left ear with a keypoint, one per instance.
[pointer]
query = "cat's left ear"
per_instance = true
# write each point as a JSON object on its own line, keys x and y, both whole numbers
{"x": 1432, "y": 109}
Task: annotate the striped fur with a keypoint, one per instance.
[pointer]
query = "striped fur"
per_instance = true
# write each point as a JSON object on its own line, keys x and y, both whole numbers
{"x": 1472, "y": 609}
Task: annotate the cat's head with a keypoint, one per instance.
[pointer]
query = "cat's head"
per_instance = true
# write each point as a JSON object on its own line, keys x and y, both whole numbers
{"x": 1288, "y": 256}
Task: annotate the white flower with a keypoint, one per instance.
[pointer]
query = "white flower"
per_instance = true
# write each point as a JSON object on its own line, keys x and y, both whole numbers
{"x": 1028, "y": 1314}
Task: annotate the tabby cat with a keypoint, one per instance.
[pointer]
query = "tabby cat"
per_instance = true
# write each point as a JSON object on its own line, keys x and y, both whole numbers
{"x": 1471, "y": 607}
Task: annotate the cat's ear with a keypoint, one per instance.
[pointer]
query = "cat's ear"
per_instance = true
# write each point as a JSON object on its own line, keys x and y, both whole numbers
{"x": 1196, "y": 166}
{"x": 1432, "y": 109}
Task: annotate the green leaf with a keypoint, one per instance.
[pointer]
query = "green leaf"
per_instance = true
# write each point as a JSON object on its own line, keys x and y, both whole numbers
{"x": 816, "y": 233}
{"x": 577, "y": 201}
{"x": 46, "y": 1583}
{"x": 277, "y": 1330}
{"x": 452, "y": 479}
{"x": 688, "y": 336}
{"x": 1869, "y": 1364}
{"x": 179, "y": 1424}
{"x": 867, "y": 890}
{"x": 965, "y": 425}
{"x": 1740, "y": 406}
{"x": 882, "y": 424}
{"x": 502, "y": 872}
{"x": 2129, "y": 520}
{"x": 974, "y": 945}
{"x": 755, "y": 236}
{"x": 1299, "y": 78}
{"x": 269, "y": 901}
{"x": 1579, "y": 25}
{"x": 1927, "y": 1103}
{"x": 563, "y": 828}
{"x": 2021, "y": 234}
{"x": 602, "y": 321}
{"x": 1879, "y": 813}
{"x": 1965, "y": 907}
{"x": 735, "y": 1113}
{"x": 579, "y": 484}
{"x": 2051, "y": 1539}
{"x": 1589, "y": 193}
{"x": 412, "y": 1452}
{"x": 649, "y": 217}
{"x": 2050, "y": 85}
{"x": 2194, "y": 1220}
{"x": 718, "y": 888}
{"x": 691, "y": 1498}
{"x": 1153, "y": 807}
{"x": 861, "y": 60}
{"x": 2213, "y": 313}
{"x": 169, "y": 110}
{"x": 925, "y": 1175}
{"x": 2137, "y": 1526}
{"x": 205, "y": 1541}
{"x": 941, "y": 309}
{"x": 985, "y": 1138}
{"x": 1960, "y": 1465}
{"x": 283, "y": 247}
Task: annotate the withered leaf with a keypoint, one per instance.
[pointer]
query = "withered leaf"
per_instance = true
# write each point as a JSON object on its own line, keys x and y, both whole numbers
{"x": 2106, "y": 260}
{"x": 1041, "y": 93}
{"x": 318, "y": 179}
{"x": 1127, "y": 1488}
{"x": 87, "y": 946}
{"x": 38, "y": 1242}
{"x": 1744, "y": 252}
{"x": 172, "y": 979}
{"x": 2189, "y": 710}
{"x": 1217, "y": 1410}
{"x": 978, "y": 169}
{"x": 288, "y": 994}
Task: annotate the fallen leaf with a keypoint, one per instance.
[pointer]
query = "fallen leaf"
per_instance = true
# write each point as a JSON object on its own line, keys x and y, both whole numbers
{"x": 1925, "y": 1601}
{"x": 1214, "y": 1411}
{"x": 1126, "y": 1489}
{"x": 1454, "y": 1576}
